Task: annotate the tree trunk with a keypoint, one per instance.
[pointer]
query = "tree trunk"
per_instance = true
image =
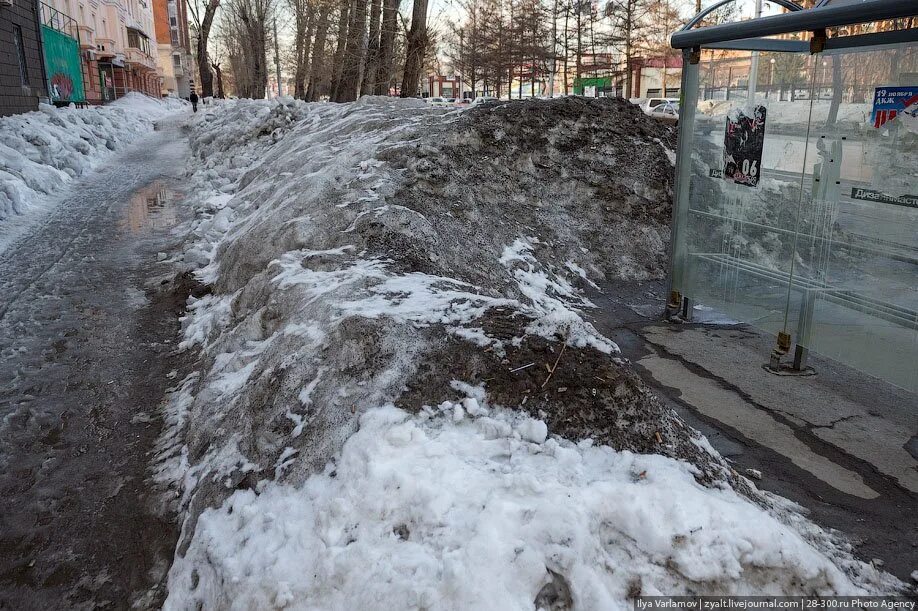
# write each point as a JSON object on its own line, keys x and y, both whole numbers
{"x": 338, "y": 60}
{"x": 567, "y": 48}
{"x": 220, "y": 93}
{"x": 207, "y": 77}
{"x": 628, "y": 51}
{"x": 353, "y": 53}
{"x": 414, "y": 52}
{"x": 305, "y": 25}
{"x": 836, "y": 91}
{"x": 554, "y": 49}
{"x": 318, "y": 53}
{"x": 372, "y": 66}
{"x": 386, "y": 47}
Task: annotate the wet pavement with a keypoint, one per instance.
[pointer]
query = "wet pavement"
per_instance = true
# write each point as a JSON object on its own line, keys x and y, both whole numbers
{"x": 842, "y": 444}
{"x": 86, "y": 349}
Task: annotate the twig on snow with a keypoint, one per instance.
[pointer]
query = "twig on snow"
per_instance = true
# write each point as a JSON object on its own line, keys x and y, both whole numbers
{"x": 551, "y": 371}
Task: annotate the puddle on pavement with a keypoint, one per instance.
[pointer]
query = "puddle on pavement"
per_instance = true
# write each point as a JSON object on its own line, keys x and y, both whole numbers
{"x": 151, "y": 208}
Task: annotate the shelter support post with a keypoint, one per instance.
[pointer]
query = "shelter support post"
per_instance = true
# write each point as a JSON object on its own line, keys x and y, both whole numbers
{"x": 678, "y": 247}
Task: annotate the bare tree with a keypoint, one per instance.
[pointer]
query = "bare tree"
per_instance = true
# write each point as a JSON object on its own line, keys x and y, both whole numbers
{"x": 317, "y": 67}
{"x": 247, "y": 25}
{"x": 629, "y": 18}
{"x": 202, "y": 16}
{"x": 416, "y": 48}
{"x": 344, "y": 15}
{"x": 387, "y": 33}
{"x": 304, "y": 21}
{"x": 354, "y": 54}
{"x": 372, "y": 61}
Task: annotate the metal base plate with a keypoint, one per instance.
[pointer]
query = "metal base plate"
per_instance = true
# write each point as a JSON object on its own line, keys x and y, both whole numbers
{"x": 788, "y": 370}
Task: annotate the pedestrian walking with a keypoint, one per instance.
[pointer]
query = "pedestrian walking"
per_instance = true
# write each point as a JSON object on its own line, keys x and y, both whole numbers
{"x": 194, "y": 101}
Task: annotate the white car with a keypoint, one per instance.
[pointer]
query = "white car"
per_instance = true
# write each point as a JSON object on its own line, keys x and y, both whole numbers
{"x": 650, "y": 103}
{"x": 667, "y": 112}
{"x": 437, "y": 102}
{"x": 484, "y": 99}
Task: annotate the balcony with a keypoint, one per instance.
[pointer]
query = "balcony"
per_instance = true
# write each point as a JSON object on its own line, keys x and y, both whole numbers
{"x": 105, "y": 47}
{"x": 133, "y": 55}
{"x": 87, "y": 37}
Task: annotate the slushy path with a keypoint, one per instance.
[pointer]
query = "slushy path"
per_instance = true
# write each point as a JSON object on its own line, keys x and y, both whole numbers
{"x": 86, "y": 342}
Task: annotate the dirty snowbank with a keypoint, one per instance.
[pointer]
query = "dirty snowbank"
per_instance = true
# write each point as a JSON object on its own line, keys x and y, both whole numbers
{"x": 42, "y": 151}
{"x": 383, "y": 278}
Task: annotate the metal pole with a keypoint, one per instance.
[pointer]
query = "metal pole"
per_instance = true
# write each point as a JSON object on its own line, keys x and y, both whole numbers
{"x": 277, "y": 58}
{"x": 678, "y": 245}
{"x": 754, "y": 67}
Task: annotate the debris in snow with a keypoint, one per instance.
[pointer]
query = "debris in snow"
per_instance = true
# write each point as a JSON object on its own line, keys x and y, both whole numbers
{"x": 754, "y": 473}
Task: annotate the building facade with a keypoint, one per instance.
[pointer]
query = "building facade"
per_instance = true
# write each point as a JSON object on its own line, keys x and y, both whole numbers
{"x": 439, "y": 85}
{"x": 656, "y": 77}
{"x": 118, "y": 52}
{"x": 22, "y": 73}
{"x": 173, "y": 47}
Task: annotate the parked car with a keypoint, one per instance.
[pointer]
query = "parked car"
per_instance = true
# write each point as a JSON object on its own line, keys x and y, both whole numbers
{"x": 485, "y": 99}
{"x": 437, "y": 101}
{"x": 649, "y": 104}
{"x": 668, "y": 112}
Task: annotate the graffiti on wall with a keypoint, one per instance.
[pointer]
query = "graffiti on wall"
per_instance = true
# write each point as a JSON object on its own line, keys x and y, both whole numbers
{"x": 62, "y": 62}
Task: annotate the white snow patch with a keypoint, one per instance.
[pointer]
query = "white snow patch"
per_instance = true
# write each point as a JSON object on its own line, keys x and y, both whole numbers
{"x": 453, "y": 513}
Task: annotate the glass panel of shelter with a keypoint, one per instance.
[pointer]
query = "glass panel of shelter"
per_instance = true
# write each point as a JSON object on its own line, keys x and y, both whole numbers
{"x": 741, "y": 221}
{"x": 858, "y": 252}
{"x": 824, "y": 244}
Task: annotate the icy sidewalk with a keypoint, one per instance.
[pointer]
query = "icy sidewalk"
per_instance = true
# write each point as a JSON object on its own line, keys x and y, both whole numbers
{"x": 399, "y": 403}
{"x": 42, "y": 151}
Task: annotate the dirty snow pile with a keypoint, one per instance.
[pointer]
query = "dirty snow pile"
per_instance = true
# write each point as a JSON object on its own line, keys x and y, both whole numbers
{"x": 41, "y": 151}
{"x": 398, "y": 401}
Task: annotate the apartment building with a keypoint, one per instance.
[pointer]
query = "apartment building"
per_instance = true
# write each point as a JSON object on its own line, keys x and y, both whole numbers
{"x": 22, "y": 73}
{"x": 118, "y": 55}
{"x": 176, "y": 68}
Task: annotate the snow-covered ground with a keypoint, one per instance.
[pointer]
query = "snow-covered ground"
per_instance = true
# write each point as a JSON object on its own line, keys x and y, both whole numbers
{"x": 399, "y": 403}
{"x": 42, "y": 151}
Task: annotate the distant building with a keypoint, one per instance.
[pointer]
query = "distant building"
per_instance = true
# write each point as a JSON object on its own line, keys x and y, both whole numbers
{"x": 22, "y": 73}
{"x": 118, "y": 55}
{"x": 440, "y": 86}
{"x": 173, "y": 46}
{"x": 656, "y": 77}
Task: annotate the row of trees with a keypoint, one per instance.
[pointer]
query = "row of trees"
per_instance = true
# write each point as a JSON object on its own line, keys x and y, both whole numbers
{"x": 501, "y": 41}
{"x": 340, "y": 48}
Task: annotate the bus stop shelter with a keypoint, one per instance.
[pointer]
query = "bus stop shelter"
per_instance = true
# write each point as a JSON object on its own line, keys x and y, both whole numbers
{"x": 796, "y": 204}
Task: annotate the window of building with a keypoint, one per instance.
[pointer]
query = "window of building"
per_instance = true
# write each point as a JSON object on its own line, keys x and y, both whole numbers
{"x": 177, "y": 60}
{"x": 173, "y": 33}
{"x": 20, "y": 51}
